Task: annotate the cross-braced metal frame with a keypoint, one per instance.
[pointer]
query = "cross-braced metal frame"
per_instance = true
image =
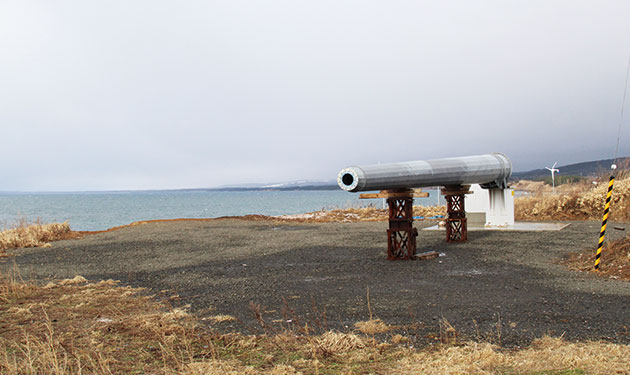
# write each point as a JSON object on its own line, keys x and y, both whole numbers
{"x": 401, "y": 235}
{"x": 456, "y": 224}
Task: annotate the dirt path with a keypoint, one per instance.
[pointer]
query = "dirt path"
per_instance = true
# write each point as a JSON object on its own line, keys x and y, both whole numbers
{"x": 506, "y": 286}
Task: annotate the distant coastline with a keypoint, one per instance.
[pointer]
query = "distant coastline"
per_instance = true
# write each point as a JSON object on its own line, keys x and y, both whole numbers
{"x": 183, "y": 190}
{"x": 288, "y": 188}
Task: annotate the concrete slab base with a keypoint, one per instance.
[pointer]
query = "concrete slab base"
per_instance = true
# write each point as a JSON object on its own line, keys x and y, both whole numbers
{"x": 522, "y": 226}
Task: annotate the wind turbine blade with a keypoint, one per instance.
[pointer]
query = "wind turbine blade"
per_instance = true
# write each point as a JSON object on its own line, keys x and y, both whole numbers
{"x": 554, "y": 164}
{"x": 547, "y": 168}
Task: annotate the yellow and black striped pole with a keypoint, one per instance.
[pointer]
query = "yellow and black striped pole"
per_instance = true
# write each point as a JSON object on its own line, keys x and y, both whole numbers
{"x": 602, "y": 232}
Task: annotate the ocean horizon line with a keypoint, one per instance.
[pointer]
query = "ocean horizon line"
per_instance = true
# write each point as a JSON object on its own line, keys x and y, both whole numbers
{"x": 210, "y": 189}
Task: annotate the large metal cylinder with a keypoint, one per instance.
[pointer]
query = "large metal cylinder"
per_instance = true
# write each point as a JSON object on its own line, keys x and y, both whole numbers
{"x": 489, "y": 170}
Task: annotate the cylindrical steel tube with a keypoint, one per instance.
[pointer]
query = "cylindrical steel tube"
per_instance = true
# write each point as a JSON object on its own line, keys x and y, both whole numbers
{"x": 489, "y": 170}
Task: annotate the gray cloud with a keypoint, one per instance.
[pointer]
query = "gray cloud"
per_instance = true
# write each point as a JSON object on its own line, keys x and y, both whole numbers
{"x": 157, "y": 94}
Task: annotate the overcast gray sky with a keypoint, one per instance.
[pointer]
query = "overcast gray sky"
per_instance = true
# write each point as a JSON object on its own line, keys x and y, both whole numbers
{"x": 132, "y": 94}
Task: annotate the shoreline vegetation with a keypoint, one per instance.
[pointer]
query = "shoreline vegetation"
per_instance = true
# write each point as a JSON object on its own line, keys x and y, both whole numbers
{"x": 74, "y": 326}
{"x": 37, "y": 234}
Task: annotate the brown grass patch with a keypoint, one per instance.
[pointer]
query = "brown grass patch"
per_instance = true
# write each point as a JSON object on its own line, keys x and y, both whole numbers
{"x": 372, "y": 326}
{"x": 614, "y": 262}
{"x": 575, "y": 202}
{"x": 73, "y": 327}
{"x": 337, "y": 342}
{"x": 354, "y": 215}
{"x": 545, "y": 356}
{"x": 33, "y": 235}
{"x": 77, "y": 327}
{"x": 349, "y": 215}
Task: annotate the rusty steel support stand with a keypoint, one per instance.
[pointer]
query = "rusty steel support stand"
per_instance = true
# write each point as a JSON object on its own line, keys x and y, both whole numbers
{"x": 456, "y": 224}
{"x": 401, "y": 235}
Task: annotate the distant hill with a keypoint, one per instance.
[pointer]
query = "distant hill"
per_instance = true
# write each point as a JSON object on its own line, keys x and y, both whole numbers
{"x": 584, "y": 169}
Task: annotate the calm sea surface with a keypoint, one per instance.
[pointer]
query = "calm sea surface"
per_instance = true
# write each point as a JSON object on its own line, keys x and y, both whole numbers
{"x": 103, "y": 210}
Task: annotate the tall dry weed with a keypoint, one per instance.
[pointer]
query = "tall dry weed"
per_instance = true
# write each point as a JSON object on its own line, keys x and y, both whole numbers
{"x": 33, "y": 235}
{"x": 615, "y": 260}
{"x": 575, "y": 202}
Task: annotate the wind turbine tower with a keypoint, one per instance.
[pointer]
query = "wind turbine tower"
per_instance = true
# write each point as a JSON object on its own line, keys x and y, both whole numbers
{"x": 553, "y": 171}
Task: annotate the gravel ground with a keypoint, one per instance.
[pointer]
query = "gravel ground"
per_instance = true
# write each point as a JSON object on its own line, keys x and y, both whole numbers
{"x": 502, "y": 286}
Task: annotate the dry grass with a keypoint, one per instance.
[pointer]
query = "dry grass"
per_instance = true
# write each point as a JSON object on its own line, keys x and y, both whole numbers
{"x": 531, "y": 186}
{"x": 574, "y": 202}
{"x": 348, "y": 215}
{"x": 77, "y": 327}
{"x": 337, "y": 342}
{"x": 74, "y": 327}
{"x": 545, "y": 356}
{"x": 33, "y": 235}
{"x": 614, "y": 262}
{"x": 372, "y": 326}
{"x": 353, "y": 215}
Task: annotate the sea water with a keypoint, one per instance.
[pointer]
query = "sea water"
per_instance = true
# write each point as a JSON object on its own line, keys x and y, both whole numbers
{"x": 104, "y": 210}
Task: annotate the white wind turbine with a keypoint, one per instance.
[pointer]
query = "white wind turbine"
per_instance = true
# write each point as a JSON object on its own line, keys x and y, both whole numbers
{"x": 553, "y": 170}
